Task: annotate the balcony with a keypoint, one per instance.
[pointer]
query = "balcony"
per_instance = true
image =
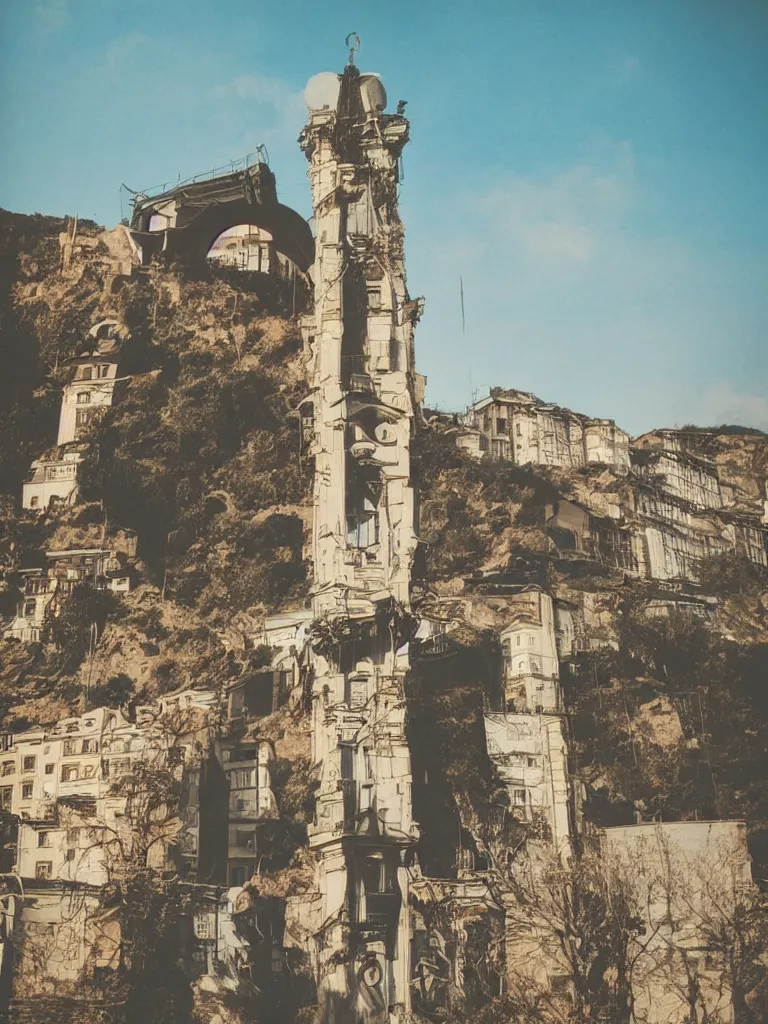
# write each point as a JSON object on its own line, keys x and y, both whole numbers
{"x": 439, "y": 645}
{"x": 357, "y": 364}
{"x": 381, "y": 908}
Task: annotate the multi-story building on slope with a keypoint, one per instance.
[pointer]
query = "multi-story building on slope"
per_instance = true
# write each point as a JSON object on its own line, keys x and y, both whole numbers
{"x": 516, "y": 426}
{"x": 93, "y": 388}
{"x": 98, "y": 797}
{"x": 364, "y": 392}
{"x": 525, "y": 739}
{"x": 45, "y": 588}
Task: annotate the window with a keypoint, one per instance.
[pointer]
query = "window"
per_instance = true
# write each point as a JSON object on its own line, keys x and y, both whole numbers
{"x": 9, "y": 767}
{"x": 73, "y": 834}
{"x": 532, "y": 762}
{"x": 517, "y": 641}
{"x": 245, "y": 839}
{"x": 519, "y": 430}
{"x": 43, "y": 869}
{"x": 29, "y": 764}
{"x": 27, "y": 789}
{"x": 70, "y": 854}
{"x": 29, "y": 608}
{"x": 69, "y": 747}
{"x": 83, "y": 397}
{"x": 362, "y": 510}
{"x": 237, "y": 875}
{"x": 70, "y": 772}
{"x": 83, "y": 417}
{"x": 6, "y": 798}
{"x": 519, "y": 797}
{"x": 501, "y": 425}
{"x": 43, "y": 838}
{"x": 374, "y": 298}
{"x": 89, "y": 771}
{"x": 236, "y": 703}
{"x": 394, "y": 354}
{"x": 241, "y": 778}
{"x": 530, "y": 641}
{"x": 34, "y": 501}
{"x": 90, "y": 746}
{"x": 85, "y": 373}
{"x": 205, "y": 925}
{"x": 72, "y": 727}
{"x": 104, "y": 371}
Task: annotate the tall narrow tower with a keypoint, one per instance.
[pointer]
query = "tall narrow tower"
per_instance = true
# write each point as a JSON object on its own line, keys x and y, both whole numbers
{"x": 360, "y": 345}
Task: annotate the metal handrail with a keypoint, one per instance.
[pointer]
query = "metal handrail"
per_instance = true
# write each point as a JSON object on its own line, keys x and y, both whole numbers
{"x": 241, "y": 164}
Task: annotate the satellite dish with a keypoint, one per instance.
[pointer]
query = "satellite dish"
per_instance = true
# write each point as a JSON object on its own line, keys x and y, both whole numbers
{"x": 322, "y": 91}
{"x": 372, "y": 94}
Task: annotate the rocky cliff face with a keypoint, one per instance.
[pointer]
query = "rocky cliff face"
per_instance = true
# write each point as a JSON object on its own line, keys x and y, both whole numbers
{"x": 196, "y": 474}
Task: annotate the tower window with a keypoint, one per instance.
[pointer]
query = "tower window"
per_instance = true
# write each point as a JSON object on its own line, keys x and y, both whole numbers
{"x": 83, "y": 397}
{"x": 362, "y": 502}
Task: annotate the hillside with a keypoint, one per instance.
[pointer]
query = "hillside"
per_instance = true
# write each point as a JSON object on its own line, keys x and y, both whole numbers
{"x": 191, "y": 528}
{"x": 199, "y": 466}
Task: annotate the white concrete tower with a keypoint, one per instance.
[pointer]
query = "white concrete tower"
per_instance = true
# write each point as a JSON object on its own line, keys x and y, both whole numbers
{"x": 360, "y": 351}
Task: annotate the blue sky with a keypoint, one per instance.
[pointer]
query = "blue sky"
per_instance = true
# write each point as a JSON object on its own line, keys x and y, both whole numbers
{"x": 595, "y": 171}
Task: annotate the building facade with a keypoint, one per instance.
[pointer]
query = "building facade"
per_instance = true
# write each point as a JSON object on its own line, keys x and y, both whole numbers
{"x": 516, "y": 426}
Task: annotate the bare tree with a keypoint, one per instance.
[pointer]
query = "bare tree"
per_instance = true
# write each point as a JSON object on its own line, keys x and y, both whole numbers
{"x": 577, "y": 919}
{"x": 702, "y": 958}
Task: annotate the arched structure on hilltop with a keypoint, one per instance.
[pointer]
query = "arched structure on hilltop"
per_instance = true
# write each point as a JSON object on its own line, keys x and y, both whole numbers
{"x": 185, "y": 221}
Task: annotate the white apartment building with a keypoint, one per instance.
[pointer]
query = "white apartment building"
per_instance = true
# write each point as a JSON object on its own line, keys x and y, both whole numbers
{"x": 531, "y": 666}
{"x": 59, "y": 780}
{"x": 53, "y": 478}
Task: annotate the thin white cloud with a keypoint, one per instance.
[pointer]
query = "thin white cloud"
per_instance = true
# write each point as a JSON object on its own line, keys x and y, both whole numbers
{"x": 52, "y": 16}
{"x": 630, "y": 68}
{"x": 123, "y": 50}
{"x": 266, "y": 91}
{"x": 563, "y": 220}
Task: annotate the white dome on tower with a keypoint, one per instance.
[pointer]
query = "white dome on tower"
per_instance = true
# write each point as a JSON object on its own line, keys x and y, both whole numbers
{"x": 322, "y": 91}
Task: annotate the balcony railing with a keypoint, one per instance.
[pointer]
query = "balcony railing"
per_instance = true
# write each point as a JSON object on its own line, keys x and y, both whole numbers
{"x": 354, "y": 364}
